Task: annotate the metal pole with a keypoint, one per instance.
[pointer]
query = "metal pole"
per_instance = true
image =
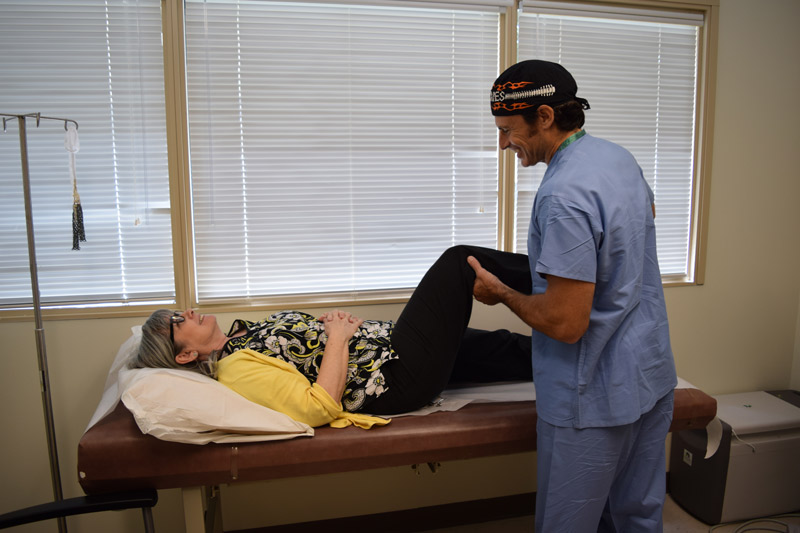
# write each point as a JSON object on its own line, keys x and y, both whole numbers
{"x": 40, "y": 345}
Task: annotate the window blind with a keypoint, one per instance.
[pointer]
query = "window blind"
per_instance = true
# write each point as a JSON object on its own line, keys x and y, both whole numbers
{"x": 336, "y": 147}
{"x": 639, "y": 73}
{"x": 100, "y": 63}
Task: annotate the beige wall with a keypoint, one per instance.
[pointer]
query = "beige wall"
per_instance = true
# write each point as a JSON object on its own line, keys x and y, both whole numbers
{"x": 795, "y": 381}
{"x": 738, "y": 332}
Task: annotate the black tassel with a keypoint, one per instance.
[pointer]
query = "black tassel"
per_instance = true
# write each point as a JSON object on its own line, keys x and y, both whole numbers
{"x": 78, "y": 233}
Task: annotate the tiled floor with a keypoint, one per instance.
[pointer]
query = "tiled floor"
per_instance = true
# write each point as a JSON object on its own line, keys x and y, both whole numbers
{"x": 676, "y": 520}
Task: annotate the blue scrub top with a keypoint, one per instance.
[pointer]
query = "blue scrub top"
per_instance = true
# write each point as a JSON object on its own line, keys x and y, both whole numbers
{"x": 592, "y": 221}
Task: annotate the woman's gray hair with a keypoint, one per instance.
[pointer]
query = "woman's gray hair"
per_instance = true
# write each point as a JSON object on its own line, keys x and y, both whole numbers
{"x": 156, "y": 350}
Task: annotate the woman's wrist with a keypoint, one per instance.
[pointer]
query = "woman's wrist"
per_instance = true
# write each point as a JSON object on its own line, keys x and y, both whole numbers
{"x": 339, "y": 339}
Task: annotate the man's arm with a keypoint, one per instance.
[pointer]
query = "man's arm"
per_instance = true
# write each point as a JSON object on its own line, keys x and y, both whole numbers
{"x": 561, "y": 313}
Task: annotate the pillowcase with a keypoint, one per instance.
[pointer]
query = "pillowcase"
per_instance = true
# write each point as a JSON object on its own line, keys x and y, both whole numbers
{"x": 183, "y": 406}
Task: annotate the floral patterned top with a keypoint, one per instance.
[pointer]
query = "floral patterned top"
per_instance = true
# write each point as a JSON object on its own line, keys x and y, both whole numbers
{"x": 299, "y": 338}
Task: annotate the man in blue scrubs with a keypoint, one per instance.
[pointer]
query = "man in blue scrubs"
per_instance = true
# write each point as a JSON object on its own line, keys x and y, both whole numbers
{"x": 602, "y": 360}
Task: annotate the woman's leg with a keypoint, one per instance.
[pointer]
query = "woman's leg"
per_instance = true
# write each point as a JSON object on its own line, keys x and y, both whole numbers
{"x": 488, "y": 356}
{"x": 429, "y": 331}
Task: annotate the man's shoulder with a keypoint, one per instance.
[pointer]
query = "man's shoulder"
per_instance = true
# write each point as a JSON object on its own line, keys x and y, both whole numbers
{"x": 590, "y": 142}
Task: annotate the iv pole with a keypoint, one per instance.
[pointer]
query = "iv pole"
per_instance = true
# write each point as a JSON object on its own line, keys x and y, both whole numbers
{"x": 37, "y": 310}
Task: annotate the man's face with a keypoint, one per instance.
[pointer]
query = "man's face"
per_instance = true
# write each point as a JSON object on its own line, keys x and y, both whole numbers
{"x": 516, "y": 134}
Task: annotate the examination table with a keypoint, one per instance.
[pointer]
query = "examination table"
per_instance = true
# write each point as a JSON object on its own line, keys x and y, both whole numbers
{"x": 114, "y": 455}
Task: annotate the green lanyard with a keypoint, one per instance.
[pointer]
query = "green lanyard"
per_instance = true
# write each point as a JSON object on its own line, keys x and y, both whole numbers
{"x": 571, "y": 139}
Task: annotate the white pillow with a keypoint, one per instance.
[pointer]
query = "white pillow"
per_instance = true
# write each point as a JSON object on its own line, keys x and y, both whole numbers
{"x": 183, "y": 406}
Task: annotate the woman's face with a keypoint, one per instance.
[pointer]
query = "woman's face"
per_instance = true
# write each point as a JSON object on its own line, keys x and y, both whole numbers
{"x": 199, "y": 333}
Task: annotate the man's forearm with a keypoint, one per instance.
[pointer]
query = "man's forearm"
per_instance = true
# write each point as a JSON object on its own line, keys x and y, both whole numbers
{"x": 534, "y": 310}
{"x": 561, "y": 312}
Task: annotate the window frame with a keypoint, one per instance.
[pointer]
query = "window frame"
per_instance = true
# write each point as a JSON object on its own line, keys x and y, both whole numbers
{"x": 579, "y": 19}
{"x": 180, "y": 176}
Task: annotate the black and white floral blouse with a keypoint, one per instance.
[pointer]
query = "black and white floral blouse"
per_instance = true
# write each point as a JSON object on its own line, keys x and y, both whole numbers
{"x": 299, "y": 338}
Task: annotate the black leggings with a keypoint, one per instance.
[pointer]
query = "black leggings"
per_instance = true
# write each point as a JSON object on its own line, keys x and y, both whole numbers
{"x": 432, "y": 340}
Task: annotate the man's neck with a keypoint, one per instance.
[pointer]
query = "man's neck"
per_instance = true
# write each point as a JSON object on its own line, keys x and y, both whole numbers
{"x": 558, "y": 139}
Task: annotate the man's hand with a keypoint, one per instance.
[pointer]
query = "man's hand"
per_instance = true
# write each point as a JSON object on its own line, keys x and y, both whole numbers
{"x": 562, "y": 312}
{"x": 488, "y": 288}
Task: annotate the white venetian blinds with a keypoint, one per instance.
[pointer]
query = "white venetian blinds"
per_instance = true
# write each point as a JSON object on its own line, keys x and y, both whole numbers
{"x": 101, "y": 64}
{"x": 638, "y": 69}
{"x": 336, "y": 147}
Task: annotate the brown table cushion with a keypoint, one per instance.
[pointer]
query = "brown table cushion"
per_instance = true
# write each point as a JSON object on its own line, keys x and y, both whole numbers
{"x": 114, "y": 455}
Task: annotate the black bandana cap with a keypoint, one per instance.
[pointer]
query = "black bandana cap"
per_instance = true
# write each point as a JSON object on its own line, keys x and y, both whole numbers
{"x": 529, "y": 84}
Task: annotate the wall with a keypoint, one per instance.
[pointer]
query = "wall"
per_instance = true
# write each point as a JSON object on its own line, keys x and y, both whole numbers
{"x": 795, "y": 381}
{"x": 738, "y": 332}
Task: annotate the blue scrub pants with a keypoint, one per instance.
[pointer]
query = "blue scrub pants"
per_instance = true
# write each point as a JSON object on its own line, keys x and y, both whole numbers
{"x": 603, "y": 479}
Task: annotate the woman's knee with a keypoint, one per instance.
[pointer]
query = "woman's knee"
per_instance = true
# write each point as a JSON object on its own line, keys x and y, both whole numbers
{"x": 455, "y": 257}
{"x": 460, "y": 252}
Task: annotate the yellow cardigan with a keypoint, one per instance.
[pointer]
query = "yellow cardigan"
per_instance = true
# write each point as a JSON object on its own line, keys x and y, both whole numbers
{"x": 279, "y": 386}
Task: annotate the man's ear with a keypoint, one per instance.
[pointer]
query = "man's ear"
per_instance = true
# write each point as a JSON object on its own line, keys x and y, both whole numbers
{"x": 546, "y": 115}
{"x": 186, "y": 357}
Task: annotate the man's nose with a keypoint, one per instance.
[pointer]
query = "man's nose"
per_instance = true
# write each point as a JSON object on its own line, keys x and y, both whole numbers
{"x": 502, "y": 141}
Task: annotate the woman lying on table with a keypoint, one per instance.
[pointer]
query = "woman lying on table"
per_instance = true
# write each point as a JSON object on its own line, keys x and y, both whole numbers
{"x": 330, "y": 369}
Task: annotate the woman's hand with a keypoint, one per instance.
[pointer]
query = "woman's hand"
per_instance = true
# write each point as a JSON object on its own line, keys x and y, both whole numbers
{"x": 340, "y": 326}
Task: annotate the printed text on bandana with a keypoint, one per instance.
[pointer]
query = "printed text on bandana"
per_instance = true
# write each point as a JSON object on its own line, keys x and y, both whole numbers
{"x": 511, "y": 91}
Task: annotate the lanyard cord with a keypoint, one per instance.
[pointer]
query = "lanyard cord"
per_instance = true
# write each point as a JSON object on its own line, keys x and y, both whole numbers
{"x": 571, "y": 139}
